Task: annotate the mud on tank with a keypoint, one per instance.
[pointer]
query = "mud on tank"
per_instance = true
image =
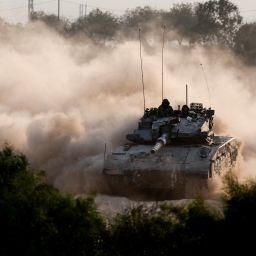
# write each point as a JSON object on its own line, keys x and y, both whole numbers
{"x": 172, "y": 154}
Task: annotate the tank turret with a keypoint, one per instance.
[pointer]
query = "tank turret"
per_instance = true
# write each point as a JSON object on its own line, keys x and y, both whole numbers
{"x": 192, "y": 125}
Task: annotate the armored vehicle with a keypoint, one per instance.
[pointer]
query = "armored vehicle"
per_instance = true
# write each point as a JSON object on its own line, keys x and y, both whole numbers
{"x": 172, "y": 154}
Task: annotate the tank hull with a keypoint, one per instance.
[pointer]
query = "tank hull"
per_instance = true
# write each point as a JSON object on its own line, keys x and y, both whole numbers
{"x": 176, "y": 171}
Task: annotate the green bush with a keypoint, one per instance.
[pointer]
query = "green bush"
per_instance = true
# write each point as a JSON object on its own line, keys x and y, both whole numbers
{"x": 36, "y": 219}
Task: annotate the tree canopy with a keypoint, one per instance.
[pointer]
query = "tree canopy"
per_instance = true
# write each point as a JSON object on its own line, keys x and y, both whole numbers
{"x": 245, "y": 43}
{"x": 214, "y": 22}
{"x": 99, "y": 26}
{"x": 36, "y": 219}
{"x": 218, "y": 21}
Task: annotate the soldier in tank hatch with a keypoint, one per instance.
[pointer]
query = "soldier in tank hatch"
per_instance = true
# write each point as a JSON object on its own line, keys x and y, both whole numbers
{"x": 184, "y": 111}
{"x": 165, "y": 110}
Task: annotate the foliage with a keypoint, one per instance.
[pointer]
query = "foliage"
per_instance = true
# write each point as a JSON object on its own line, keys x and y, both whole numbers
{"x": 181, "y": 18}
{"x": 99, "y": 26}
{"x": 214, "y": 22}
{"x": 168, "y": 230}
{"x": 240, "y": 212}
{"x": 144, "y": 18}
{"x": 36, "y": 219}
{"x": 245, "y": 42}
{"x": 142, "y": 231}
{"x": 218, "y": 21}
{"x": 52, "y": 21}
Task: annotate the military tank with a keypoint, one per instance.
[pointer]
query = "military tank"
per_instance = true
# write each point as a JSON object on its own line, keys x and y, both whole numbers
{"x": 172, "y": 154}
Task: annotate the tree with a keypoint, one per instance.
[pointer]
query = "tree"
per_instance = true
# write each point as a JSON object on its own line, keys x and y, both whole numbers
{"x": 10, "y": 166}
{"x": 182, "y": 19}
{"x": 240, "y": 212}
{"x": 51, "y": 21}
{"x": 144, "y": 231}
{"x": 99, "y": 26}
{"x": 145, "y": 18}
{"x": 36, "y": 219}
{"x": 165, "y": 230}
{"x": 218, "y": 22}
{"x": 245, "y": 42}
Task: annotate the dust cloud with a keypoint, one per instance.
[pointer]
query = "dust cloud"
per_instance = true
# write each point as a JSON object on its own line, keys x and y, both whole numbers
{"x": 61, "y": 102}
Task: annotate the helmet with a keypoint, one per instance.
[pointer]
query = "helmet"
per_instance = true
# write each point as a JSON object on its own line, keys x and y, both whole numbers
{"x": 165, "y": 102}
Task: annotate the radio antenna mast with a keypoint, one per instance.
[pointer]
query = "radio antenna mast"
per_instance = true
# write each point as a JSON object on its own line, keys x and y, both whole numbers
{"x": 163, "y": 63}
{"x": 58, "y": 9}
{"x": 142, "y": 75}
{"x": 186, "y": 94}
{"x": 30, "y": 8}
{"x": 205, "y": 78}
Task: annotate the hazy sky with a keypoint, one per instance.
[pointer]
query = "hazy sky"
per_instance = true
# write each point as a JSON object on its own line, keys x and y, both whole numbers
{"x": 16, "y": 10}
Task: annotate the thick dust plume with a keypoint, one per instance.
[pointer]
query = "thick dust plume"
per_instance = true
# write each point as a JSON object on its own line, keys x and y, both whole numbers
{"x": 61, "y": 102}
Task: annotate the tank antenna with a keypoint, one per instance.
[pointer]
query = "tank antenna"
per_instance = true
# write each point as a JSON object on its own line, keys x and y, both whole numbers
{"x": 163, "y": 63}
{"x": 142, "y": 75}
{"x": 105, "y": 151}
{"x": 205, "y": 78}
{"x": 186, "y": 94}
